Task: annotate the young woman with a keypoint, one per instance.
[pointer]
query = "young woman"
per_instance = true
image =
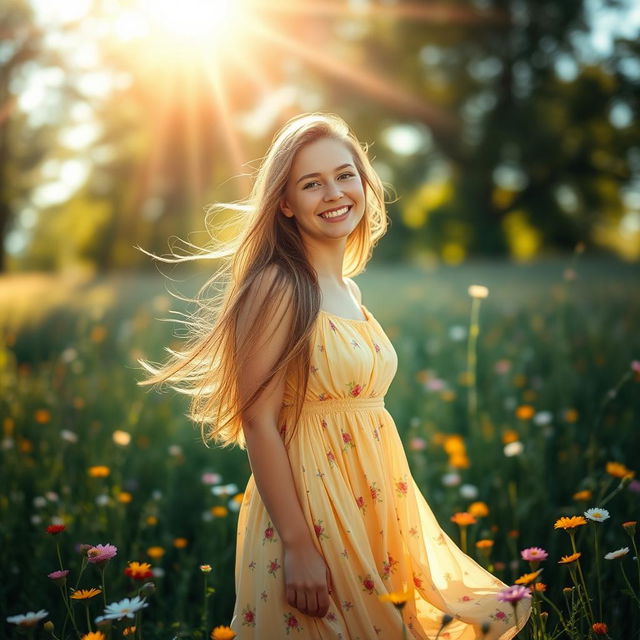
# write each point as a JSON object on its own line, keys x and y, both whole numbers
{"x": 290, "y": 365}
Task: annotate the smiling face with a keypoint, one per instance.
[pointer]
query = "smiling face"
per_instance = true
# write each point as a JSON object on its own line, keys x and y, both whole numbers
{"x": 324, "y": 192}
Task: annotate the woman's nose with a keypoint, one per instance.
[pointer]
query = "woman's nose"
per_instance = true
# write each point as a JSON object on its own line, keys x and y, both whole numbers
{"x": 332, "y": 192}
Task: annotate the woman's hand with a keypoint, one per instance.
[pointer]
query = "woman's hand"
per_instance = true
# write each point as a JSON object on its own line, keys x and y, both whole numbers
{"x": 307, "y": 579}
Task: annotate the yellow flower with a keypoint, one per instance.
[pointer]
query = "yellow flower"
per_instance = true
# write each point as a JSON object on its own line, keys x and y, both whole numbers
{"x": 223, "y": 633}
{"x": 459, "y": 461}
{"x": 463, "y": 518}
{"x": 155, "y": 552}
{"x": 478, "y": 509}
{"x": 618, "y": 470}
{"x": 125, "y": 497}
{"x": 129, "y": 631}
{"x": 238, "y": 498}
{"x": 396, "y": 598}
{"x": 123, "y": 438}
{"x": 219, "y": 511}
{"x": 528, "y": 577}
{"x": 180, "y": 543}
{"x": 569, "y": 559}
{"x": 152, "y": 520}
{"x": 99, "y": 471}
{"x": 585, "y": 495}
{"x": 569, "y": 523}
{"x": 84, "y": 594}
{"x": 93, "y": 635}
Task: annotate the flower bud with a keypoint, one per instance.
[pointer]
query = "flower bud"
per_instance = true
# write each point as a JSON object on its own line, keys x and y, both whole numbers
{"x": 48, "y": 626}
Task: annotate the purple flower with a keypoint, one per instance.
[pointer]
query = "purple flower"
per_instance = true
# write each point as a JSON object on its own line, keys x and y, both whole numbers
{"x": 100, "y": 553}
{"x": 514, "y": 594}
{"x": 532, "y": 554}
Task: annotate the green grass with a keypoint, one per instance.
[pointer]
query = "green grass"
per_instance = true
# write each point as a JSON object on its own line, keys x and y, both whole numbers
{"x": 557, "y": 345}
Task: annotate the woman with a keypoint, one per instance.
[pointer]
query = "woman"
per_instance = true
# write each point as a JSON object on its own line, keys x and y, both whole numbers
{"x": 294, "y": 368}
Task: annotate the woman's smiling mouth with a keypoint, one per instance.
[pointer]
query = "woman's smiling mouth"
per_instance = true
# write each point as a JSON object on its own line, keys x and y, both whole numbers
{"x": 336, "y": 214}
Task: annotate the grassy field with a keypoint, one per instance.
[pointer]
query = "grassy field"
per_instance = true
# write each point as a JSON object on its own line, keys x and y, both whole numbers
{"x": 555, "y": 402}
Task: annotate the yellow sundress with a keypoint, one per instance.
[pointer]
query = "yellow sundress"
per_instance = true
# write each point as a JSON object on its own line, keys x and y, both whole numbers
{"x": 372, "y": 524}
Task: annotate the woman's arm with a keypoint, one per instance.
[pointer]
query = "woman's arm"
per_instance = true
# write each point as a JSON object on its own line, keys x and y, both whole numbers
{"x": 306, "y": 575}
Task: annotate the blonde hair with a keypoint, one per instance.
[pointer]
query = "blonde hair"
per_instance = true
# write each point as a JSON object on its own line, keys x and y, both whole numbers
{"x": 206, "y": 367}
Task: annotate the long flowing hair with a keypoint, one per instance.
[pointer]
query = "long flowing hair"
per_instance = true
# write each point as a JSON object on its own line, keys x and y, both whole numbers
{"x": 205, "y": 369}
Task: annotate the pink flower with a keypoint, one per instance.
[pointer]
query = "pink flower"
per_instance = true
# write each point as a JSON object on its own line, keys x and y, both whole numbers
{"x": 635, "y": 366}
{"x": 59, "y": 576}
{"x": 514, "y": 594}
{"x": 101, "y": 553}
{"x": 534, "y": 553}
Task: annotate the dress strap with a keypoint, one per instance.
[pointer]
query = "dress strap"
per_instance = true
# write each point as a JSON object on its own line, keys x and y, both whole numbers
{"x": 333, "y": 405}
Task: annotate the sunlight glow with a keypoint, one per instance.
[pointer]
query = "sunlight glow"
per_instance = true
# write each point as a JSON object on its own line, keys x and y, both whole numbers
{"x": 195, "y": 19}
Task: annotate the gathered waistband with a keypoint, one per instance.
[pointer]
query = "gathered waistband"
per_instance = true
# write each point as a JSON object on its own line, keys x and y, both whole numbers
{"x": 333, "y": 405}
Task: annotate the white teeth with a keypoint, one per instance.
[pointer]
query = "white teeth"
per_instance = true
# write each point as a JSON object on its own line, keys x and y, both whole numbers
{"x": 335, "y": 214}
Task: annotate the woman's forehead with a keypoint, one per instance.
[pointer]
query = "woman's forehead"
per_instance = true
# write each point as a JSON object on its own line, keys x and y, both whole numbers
{"x": 321, "y": 156}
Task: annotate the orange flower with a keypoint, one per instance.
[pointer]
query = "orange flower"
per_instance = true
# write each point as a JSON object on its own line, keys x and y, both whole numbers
{"x": 484, "y": 544}
{"x": 42, "y": 416}
{"x": 93, "y": 635}
{"x": 539, "y": 586}
{"x": 569, "y": 523}
{"x": 569, "y": 559}
{"x": 180, "y": 543}
{"x": 630, "y": 527}
{"x": 478, "y": 509}
{"x": 397, "y": 598}
{"x": 510, "y": 435}
{"x": 99, "y": 471}
{"x": 571, "y": 415}
{"x": 155, "y": 552}
{"x": 459, "y": 461}
{"x": 525, "y": 412}
{"x": 85, "y": 594}
{"x": 463, "y": 518}
{"x": 219, "y": 511}
{"x": 528, "y": 577}
{"x": 454, "y": 444}
{"x": 139, "y": 570}
{"x": 600, "y": 628}
{"x": 618, "y": 470}
{"x": 125, "y": 497}
{"x": 585, "y": 495}
{"x": 151, "y": 521}
{"x": 223, "y": 633}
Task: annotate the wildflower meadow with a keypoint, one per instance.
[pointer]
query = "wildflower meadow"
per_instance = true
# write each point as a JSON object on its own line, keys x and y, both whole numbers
{"x": 517, "y": 397}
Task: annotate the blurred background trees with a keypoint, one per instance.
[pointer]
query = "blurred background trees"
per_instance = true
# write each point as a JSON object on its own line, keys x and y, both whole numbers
{"x": 506, "y": 127}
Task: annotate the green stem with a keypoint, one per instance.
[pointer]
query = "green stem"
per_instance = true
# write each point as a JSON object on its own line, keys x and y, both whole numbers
{"x": 624, "y": 575}
{"x": 463, "y": 538}
{"x": 104, "y": 590}
{"x": 86, "y": 608}
{"x": 59, "y": 555}
{"x": 584, "y": 586}
{"x": 472, "y": 361}
{"x": 635, "y": 548}
{"x": 558, "y": 612}
{"x": 597, "y": 547}
{"x": 205, "y": 623}
{"x": 69, "y": 612}
{"x": 82, "y": 568}
{"x": 578, "y": 587}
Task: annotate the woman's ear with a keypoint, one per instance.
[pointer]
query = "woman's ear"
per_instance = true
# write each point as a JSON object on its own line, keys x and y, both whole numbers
{"x": 285, "y": 208}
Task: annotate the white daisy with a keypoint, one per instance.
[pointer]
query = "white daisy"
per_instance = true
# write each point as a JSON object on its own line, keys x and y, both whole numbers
{"x": 618, "y": 553}
{"x": 597, "y": 515}
{"x": 29, "y": 619}
{"x": 126, "y": 608}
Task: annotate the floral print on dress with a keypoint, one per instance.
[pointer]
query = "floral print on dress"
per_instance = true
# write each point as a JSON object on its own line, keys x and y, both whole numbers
{"x": 291, "y": 623}
{"x": 402, "y": 486}
{"x": 273, "y": 567}
{"x": 368, "y": 584}
{"x": 375, "y": 492}
{"x": 249, "y": 616}
{"x": 347, "y": 439}
{"x": 355, "y": 343}
{"x": 331, "y": 458}
{"x": 354, "y": 389}
{"x": 389, "y": 566}
{"x": 361, "y": 504}
{"x": 319, "y": 529}
{"x": 269, "y": 534}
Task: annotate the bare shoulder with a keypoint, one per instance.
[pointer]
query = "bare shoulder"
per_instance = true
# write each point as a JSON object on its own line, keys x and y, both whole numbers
{"x": 354, "y": 289}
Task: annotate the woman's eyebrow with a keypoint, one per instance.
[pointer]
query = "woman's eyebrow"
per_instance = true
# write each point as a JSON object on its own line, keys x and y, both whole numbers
{"x": 312, "y": 175}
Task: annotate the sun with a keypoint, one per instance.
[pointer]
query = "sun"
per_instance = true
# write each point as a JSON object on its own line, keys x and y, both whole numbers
{"x": 199, "y": 22}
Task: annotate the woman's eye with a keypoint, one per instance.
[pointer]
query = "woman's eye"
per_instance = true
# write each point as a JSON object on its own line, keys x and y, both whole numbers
{"x": 310, "y": 184}
{"x": 347, "y": 175}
